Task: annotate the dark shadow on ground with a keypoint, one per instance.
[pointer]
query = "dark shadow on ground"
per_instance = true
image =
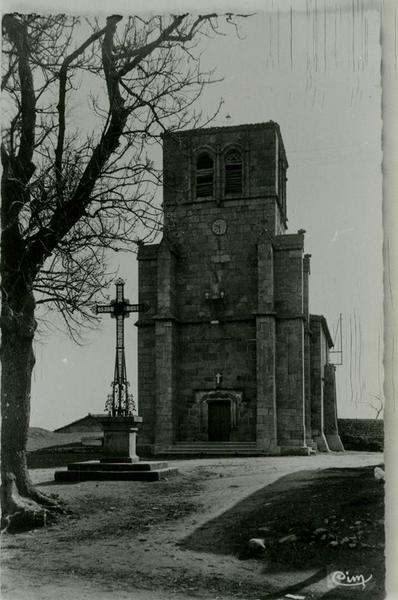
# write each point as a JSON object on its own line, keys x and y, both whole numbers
{"x": 230, "y": 531}
{"x": 348, "y": 504}
{"x": 297, "y": 587}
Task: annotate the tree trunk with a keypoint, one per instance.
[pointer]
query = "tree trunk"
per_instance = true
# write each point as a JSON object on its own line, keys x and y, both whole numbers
{"x": 17, "y": 364}
{"x": 23, "y": 505}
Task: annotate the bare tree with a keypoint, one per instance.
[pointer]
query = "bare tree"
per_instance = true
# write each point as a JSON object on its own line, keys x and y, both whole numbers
{"x": 377, "y": 405}
{"x": 69, "y": 191}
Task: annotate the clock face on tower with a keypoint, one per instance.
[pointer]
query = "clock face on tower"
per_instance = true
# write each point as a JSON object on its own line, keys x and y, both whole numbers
{"x": 219, "y": 227}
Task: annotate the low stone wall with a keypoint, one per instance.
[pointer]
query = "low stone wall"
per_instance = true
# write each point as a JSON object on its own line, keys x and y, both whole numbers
{"x": 362, "y": 434}
{"x": 60, "y": 457}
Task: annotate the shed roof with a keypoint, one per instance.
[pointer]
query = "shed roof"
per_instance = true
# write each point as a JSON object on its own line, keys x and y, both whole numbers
{"x": 88, "y": 417}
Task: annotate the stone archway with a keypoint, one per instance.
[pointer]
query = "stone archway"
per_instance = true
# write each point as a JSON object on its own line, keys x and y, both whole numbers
{"x": 218, "y": 413}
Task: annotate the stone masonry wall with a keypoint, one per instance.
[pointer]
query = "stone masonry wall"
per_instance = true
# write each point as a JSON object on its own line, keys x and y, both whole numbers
{"x": 147, "y": 282}
{"x": 362, "y": 434}
{"x": 146, "y": 389}
{"x": 330, "y": 408}
{"x": 290, "y": 382}
{"x": 260, "y": 145}
{"x": 318, "y": 347}
{"x": 211, "y": 264}
{"x": 165, "y": 346}
{"x": 307, "y": 351}
{"x": 290, "y": 392}
{"x": 266, "y": 426}
{"x": 206, "y": 350}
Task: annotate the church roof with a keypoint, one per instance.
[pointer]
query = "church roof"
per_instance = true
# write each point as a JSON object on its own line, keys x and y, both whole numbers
{"x": 325, "y": 328}
{"x": 206, "y": 130}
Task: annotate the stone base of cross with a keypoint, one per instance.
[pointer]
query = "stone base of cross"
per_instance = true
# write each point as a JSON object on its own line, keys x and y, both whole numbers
{"x": 120, "y": 461}
{"x": 120, "y": 436}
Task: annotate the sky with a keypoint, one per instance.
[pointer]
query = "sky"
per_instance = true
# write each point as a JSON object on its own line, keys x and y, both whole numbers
{"x": 315, "y": 70}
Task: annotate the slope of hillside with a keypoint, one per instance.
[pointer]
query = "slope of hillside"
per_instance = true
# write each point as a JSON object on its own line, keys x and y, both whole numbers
{"x": 42, "y": 438}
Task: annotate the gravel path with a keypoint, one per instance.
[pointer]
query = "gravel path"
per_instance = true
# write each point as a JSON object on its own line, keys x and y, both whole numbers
{"x": 98, "y": 556}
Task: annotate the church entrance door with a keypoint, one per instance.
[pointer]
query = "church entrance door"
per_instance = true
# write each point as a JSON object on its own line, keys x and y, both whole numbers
{"x": 219, "y": 425}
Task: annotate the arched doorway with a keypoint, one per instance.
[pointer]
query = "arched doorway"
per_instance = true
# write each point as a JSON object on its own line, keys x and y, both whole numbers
{"x": 215, "y": 414}
{"x": 219, "y": 420}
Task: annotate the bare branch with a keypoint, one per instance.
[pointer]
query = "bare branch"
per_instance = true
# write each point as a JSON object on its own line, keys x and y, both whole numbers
{"x": 9, "y": 72}
{"x": 143, "y": 52}
{"x": 18, "y": 34}
{"x": 188, "y": 37}
{"x": 93, "y": 191}
{"x": 61, "y": 103}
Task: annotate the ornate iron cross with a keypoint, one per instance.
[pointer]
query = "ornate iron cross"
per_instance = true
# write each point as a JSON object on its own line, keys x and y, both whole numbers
{"x": 119, "y": 403}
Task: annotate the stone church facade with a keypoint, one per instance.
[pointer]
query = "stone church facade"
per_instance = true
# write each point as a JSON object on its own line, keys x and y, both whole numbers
{"x": 229, "y": 355}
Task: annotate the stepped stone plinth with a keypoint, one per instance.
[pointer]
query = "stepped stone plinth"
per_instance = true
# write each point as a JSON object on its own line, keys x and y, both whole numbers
{"x": 101, "y": 471}
{"x": 120, "y": 460}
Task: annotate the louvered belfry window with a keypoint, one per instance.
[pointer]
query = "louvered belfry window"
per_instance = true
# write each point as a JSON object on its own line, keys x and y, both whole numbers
{"x": 204, "y": 175}
{"x": 233, "y": 172}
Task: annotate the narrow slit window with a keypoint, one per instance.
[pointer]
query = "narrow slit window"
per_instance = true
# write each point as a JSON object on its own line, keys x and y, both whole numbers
{"x": 233, "y": 173}
{"x": 204, "y": 175}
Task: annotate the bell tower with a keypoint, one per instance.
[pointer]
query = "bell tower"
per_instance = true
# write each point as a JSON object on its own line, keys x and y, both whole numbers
{"x": 226, "y": 167}
{"x": 208, "y": 342}
{"x": 224, "y": 353}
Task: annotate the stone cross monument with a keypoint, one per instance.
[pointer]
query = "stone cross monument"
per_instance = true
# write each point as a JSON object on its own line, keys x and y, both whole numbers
{"x": 120, "y": 402}
{"x": 120, "y": 426}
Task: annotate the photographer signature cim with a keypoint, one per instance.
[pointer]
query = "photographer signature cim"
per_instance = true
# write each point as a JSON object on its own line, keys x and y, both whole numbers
{"x": 345, "y": 579}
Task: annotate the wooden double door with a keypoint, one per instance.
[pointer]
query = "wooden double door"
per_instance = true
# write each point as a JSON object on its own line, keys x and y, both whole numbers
{"x": 219, "y": 420}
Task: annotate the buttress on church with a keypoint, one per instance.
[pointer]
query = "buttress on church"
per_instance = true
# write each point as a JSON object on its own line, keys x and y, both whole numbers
{"x": 229, "y": 357}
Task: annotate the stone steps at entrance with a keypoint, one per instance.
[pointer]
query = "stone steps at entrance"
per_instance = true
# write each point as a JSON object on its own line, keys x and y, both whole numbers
{"x": 213, "y": 448}
{"x": 215, "y": 444}
{"x": 219, "y": 449}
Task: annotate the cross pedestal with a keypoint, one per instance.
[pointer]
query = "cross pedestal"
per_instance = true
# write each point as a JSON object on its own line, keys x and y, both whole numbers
{"x": 120, "y": 435}
{"x": 120, "y": 461}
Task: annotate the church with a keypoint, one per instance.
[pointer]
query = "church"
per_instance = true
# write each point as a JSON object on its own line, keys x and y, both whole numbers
{"x": 230, "y": 359}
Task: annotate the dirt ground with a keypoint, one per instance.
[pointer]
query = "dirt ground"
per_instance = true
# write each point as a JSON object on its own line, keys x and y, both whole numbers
{"x": 187, "y": 537}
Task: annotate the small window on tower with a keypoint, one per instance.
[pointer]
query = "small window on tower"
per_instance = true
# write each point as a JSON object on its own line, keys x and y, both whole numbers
{"x": 204, "y": 175}
{"x": 233, "y": 172}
